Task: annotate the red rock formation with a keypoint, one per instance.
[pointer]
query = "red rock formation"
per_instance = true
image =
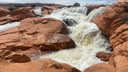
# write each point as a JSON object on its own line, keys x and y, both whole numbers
{"x": 121, "y": 63}
{"x": 92, "y": 7}
{"x": 111, "y": 19}
{"x": 100, "y": 67}
{"x": 47, "y": 34}
{"x": 17, "y": 15}
{"x": 43, "y": 65}
{"x": 4, "y": 12}
{"x": 114, "y": 23}
{"x": 103, "y": 56}
{"x": 49, "y": 9}
{"x": 14, "y": 57}
{"x": 22, "y": 12}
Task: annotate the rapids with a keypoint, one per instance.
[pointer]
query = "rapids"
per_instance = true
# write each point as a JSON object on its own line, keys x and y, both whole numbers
{"x": 86, "y": 35}
{"x": 8, "y": 26}
{"x": 38, "y": 11}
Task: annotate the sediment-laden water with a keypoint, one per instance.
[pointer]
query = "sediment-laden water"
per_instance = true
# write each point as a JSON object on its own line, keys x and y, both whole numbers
{"x": 86, "y": 35}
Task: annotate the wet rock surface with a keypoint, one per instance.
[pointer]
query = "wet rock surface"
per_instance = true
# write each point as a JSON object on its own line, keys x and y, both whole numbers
{"x": 103, "y": 56}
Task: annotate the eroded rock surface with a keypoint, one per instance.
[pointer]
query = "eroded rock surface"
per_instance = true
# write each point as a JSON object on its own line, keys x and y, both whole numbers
{"x": 46, "y": 34}
{"x": 100, "y": 67}
{"x": 103, "y": 56}
{"x": 43, "y": 65}
{"x": 14, "y": 57}
{"x": 17, "y": 15}
{"x": 111, "y": 19}
{"x": 114, "y": 23}
{"x": 4, "y": 12}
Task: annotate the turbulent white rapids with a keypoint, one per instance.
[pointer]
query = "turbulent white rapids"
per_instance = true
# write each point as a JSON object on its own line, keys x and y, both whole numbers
{"x": 8, "y": 26}
{"x": 38, "y": 11}
{"x": 86, "y": 35}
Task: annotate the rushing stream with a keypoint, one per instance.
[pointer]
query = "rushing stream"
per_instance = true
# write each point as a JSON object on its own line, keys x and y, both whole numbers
{"x": 86, "y": 35}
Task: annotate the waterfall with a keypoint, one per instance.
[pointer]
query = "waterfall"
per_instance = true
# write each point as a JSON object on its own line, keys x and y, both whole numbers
{"x": 8, "y": 26}
{"x": 38, "y": 11}
{"x": 75, "y": 13}
{"x": 86, "y": 35}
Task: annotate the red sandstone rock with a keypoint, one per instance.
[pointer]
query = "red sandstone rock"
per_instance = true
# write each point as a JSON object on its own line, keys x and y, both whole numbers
{"x": 17, "y": 15}
{"x": 120, "y": 36}
{"x": 22, "y": 12}
{"x": 111, "y": 61}
{"x": 100, "y": 67}
{"x": 49, "y": 9}
{"x": 111, "y": 19}
{"x": 103, "y": 56}
{"x": 4, "y": 12}
{"x": 47, "y": 34}
{"x": 14, "y": 57}
{"x": 43, "y": 65}
{"x": 114, "y": 24}
{"x": 121, "y": 63}
{"x": 121, "y": 50}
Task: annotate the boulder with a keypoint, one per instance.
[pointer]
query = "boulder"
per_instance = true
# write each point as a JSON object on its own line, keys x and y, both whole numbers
{"x": 4, "y": 12}
{"x": 111, "y": 19}
{"x": 42, "y": 65}
{"x": 45, "y": 34}
{"x": 100, "y": 67}
{"x": 49, "y": 9}
{"x": 103, "y": 56}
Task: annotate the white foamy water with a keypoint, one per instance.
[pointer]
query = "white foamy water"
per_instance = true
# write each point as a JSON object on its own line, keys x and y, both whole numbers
{"x": 38, "y": 11}
{"x": 8, "y": 26}
{"x": 75, "y": 13}
{"x": 86, "y": 35}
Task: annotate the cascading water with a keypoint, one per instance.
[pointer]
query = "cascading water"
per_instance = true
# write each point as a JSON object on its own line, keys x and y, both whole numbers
{"x": 8, "y": 26}
{"x": 38, "y": 11}
{"x": 86, "y": 35}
